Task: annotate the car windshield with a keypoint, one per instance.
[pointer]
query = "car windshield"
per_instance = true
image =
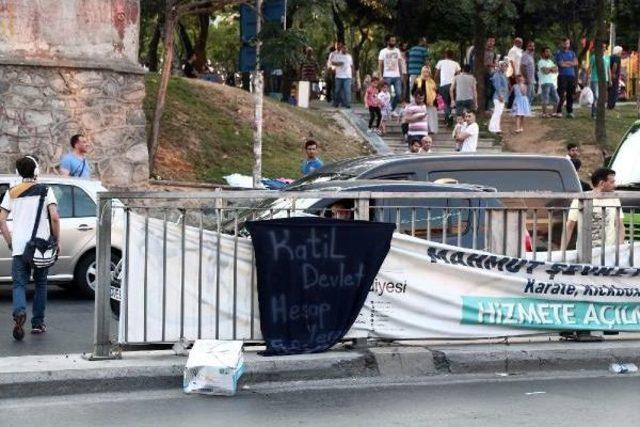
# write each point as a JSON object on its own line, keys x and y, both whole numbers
{"x": 625, "y": 162}
{"x": 270, "y": 208}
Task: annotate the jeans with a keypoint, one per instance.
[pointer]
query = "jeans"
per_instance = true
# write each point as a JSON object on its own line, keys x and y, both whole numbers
{"x": 531, "y": 92}
{"x": 396, "y": 82}
{"x": 566, "y": 88}
{"x": 613, "y": 94}
{"x": 342, "y": 93}
{"x": 489, "y": 90}
{"x": 20, "y": 272}
{"x": 462, "y": 105}
{"x": 375, "y": 115}
{"x": 445, "y": 93}
{"x": 596, "y": 92}
{"x": 548, "y": 94}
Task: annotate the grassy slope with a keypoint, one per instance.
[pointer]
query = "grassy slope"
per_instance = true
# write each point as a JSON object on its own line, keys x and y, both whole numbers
{"x": 206, "y": 133}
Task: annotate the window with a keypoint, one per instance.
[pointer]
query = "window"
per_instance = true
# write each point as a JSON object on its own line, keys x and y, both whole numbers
{"x": 506, "y": 180}
{"x": 83, "y": 205}
{"x": 64, "y": 195}
{"x": 73, "y": 202}
{"x": 428, "y": 217}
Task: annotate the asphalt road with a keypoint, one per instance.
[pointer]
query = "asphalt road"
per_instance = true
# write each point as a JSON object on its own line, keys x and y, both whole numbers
{"x": 573, "y": 401}
{"x": 69, "y": 325}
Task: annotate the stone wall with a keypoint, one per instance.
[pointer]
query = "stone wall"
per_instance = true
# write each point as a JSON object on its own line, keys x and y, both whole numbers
{"x": 42, "y": 107}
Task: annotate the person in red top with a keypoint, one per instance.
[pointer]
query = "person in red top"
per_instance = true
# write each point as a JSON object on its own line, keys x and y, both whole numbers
{"x": 372, "y": 102}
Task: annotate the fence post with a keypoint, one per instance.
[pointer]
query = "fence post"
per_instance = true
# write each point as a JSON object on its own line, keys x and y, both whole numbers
{"x": 362, "y": 208}
{"x": 584, "y": 243}
{"x": 101, "y": 338}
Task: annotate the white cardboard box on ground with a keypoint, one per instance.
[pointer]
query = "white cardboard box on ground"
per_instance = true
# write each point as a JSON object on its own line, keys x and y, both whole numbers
{"x": 214, "y": 367}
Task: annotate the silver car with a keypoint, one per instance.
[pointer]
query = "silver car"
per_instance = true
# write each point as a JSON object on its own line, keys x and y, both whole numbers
{"x": 76, "y": 266}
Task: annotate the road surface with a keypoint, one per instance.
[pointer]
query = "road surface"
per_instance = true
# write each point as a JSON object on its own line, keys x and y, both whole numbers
{"x": 570, "y": 401}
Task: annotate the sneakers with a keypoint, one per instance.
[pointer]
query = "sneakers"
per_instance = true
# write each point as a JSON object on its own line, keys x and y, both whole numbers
{"x": 39, "y": 329}
{"x": 18, "y": 329}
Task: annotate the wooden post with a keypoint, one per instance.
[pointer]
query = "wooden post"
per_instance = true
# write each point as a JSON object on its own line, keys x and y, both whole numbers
{"x": 258, "y": 97}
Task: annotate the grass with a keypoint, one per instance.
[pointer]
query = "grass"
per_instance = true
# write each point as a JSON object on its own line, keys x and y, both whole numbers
{"x": 581, "y": 129}
{"x": 206, "y": 133}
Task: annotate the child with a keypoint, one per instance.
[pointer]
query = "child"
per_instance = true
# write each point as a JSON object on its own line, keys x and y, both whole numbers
{"x": 384, "y": 97}
{"x": 372, "y": 102}
{"x": 457, "y": 129}
{"x": 521, "y": 107}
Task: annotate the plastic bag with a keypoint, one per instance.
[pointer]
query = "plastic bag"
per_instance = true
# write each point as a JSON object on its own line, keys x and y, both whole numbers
{"x": 586, "y": 97}
{"x": 214, "y": 368}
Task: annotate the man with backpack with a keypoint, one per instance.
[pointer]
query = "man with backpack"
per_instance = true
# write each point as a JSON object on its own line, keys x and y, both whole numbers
{"x": 35, "y": 232}
{"x": 75, "y": 162}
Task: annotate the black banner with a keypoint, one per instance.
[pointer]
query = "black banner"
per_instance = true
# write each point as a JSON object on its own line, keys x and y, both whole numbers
{"x": 314, "y": 275}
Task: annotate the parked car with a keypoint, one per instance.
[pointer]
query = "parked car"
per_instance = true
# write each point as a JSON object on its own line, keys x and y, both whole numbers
{"x": 76, "y": 266}
{"x": 447, "y": 220}
{"x": 625, "y": 162}
{"x": 505, "y": 172}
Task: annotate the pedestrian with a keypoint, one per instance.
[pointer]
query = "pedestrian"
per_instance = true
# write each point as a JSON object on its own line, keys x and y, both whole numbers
{"x": 616, "y": 67}
{"x": 427, "y": 143}
{"x": 567, "y": 61}
{"x": 415, "y": 114}
{"x": 467, "y": 136}
{"x": 528, "y": 70}
{"x": 415, "y": 146}
{"x": 521, "y": 106}
{"x": 500, "y": 94}
{"x": 330, "y": 75}
{"x": 446, "y": 69}
{"x": 490, "y": 61}
{"x": 425, "y": 84}
{"x": 384, "y": 98}
{"x": 606, "y": 217}
{"x": 514, "y": 57}
{"x": 33, "y": 208}
{"x": 404, "y": 71}
{"x": 464, "y": 92}
{"x": 573, "y": 155}
{"x": 389, "y": 60}
{"x": 458, "y": 128}
{"x": 548, "y": 78}
{"x": 344, "y": 75}
{"x": 594, "y": 77}
{"x": 372, "y": 102}
{"x": 312, "y": 161}
{"x": 188, "y": 69}
{"x": 75, "y": 162}
{"x": 418, "y": 58}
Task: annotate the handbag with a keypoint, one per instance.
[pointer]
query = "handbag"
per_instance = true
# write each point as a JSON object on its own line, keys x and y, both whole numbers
{"x": 40, "y": 253}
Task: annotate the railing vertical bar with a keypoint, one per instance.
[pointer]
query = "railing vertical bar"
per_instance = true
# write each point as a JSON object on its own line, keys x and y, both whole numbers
{"x": 413, "y": 221}
{"x": 428, "y": 223}
{"x": 235, "y": 274}
{"x": 488, "y": 230}
{"x": 563, "y": 236}
{"x": 101, "y": 331}
{"x": 632, "y": 232}
{"x": 603, "y": 231}
{"x": 505, "y": 231}
{"x": 200, "y": 264}
{"x": 218, "y": 249}
{"x": 459, "y": 227}
{"x": 534, "y": 236}
{"x": 445, "y": 224}
{"x": 618, "y": 222}
{"x": 146, "y": 274}
{"x": 520, "y": 234}
{"x": 550, "y": 233}
{"x": 398, "y": 220}
{"x": 183, "y": 248}
{"x": 474, "y": 228}
{"x": 164, "y": 274}
{"x": 124, "y": 309}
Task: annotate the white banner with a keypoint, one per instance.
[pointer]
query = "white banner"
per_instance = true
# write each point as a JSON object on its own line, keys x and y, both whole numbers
{"x": 423, "y": 290}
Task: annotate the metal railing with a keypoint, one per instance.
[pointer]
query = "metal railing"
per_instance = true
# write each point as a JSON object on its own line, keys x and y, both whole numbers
{"x": 495, "y": 222}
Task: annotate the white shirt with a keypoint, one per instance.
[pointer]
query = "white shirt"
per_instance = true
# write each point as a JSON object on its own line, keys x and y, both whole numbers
{"x": 391, "y": 61}
{"x": 343, "y": 71}
{"x": 515, "y": 56}
{"x": 470, "y": 144}
{"x": 23, "y": 214}
{"x": 448, "y": 69}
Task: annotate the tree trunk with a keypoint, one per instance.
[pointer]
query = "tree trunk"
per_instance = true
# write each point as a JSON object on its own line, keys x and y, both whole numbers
{"x": 200, "y": 48}
{"x": 479, "y": 42}
{"x": 357, "y": 55}
{"x": 169, "y": 28}
{"x": 186, "y": 41}
{"x": 600, "y": 128}
{"x": 339, "y": 23}
{"x": 153, "y": 47}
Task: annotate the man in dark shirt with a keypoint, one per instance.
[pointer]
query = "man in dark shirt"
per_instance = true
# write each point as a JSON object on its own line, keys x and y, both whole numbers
{"x": 189, "y": 70}
{"x": 567, "y": 62}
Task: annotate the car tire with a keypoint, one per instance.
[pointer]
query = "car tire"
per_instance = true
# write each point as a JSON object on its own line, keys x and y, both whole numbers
{"x": 85, "y": 274}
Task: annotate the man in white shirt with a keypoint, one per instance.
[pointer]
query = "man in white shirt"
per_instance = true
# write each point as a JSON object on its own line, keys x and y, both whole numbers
{"x": 606, "y": 216}
{"x": 515, "y": 55}
{"x": 390, "y": 63}
{"x": 446, "y": 69}
{"x": 22, "y": 201}
{"x": 343, "y": 64}
{"x": 467, "y": 136}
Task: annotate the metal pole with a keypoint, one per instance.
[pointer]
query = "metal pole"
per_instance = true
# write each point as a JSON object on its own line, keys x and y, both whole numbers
{"x": 257, "y": 95}
{"x": 101, "y": 339}
{"x": 584, "y": 244}
{"x": 284, "y": 18}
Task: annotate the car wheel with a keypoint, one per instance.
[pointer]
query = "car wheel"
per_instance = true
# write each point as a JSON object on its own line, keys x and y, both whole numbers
{"x": 85, "y": 276}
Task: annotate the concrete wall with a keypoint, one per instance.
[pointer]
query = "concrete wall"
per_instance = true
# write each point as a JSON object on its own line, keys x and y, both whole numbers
{"x": 97, "y": 33}
{"x": 67, "y": 67}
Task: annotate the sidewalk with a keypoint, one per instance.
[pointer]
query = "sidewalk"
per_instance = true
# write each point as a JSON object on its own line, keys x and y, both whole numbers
{"x": 29, "y": 376}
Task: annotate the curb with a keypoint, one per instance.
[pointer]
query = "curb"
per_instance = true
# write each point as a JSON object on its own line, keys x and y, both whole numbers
{"x": 31, "y": 376}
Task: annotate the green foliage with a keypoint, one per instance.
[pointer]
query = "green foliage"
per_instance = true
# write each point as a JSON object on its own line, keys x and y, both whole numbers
{"x": 280, "y": 48}
{"x": 223, "y": 46}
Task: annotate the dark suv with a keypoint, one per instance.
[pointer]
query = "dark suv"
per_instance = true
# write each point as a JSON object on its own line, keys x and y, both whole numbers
{"x": 448, "y": 220}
